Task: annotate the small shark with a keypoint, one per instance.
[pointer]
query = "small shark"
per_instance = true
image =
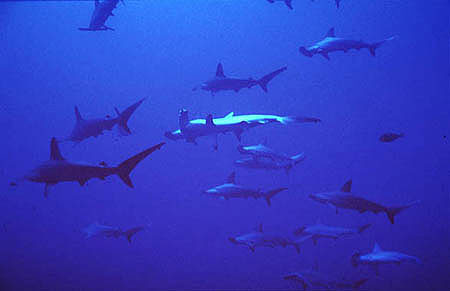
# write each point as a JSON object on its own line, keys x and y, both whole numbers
{"x": 390, "y": 137}
{"x": 380, "y": 257}
{"x": 261, "y": 239}
{"x": 331, "y": 43}
{"x": 99, "y": 230}
{"x": 315, "y": 232}
{"x": 190, "y": 130}
{"x": 312, "y": 279}
{"x": 58, "y": 169}
{"x": 270, "y": 164}
{"x": 222, "y": 83}
{"x": 85, "y": 128}
{"x": 102, "y": 11}
{"x": 287, "y": 2}
{"x": 231, "y": 190}
{"x": 262, "y": 151}
{"x": 344, "y": 199}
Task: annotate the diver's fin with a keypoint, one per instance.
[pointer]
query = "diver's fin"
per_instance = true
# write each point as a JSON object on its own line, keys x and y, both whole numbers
{"x": 77, "y": 114}
{"x": 124, "y": 169}
{"x": 347, "y": 186}
{"x": 330, "y": 33}
{"x": 219, "y": 71}
{"x": 55, "y": 154}
{"x": 231, "y": 178}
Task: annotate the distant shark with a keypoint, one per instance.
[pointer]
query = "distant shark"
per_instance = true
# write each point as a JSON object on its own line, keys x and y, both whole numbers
{"x": 99, "y": 230}
{"x": 380, "y": 257}
{"x": 58, "y": 169}
{"x": 269, "y": 164}
{"x": 262, "y": 151}
{"x": 231, "y": 190}
{"x": 312, "y": 279}
{"x": 102, "y": 11}
{"x": 287, "y": 2}
{"x": 190, "y": 130}
{"x": 318, "y": 231}
{"x": 222, "y": 83}
{"x": 85, "y": 128}
{"x": 344, "y": 199}
{"x": 261, "y": 239}
{"x": 331, "y": 43}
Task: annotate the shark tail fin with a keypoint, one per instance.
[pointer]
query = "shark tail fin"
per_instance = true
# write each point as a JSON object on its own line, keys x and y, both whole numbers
{"x": 377, "y": 44}
{"x": 362, "y": 228}
{"x": 272, "y": 193}
{"x": 124, "y": 169}
{"x": 131, "y": 232}
{"x": 357, "y": 284}
{"x": 125, "y": 116}
{"x": 288, "y": 4}
{"x": 297, "y": 119}
{"x": 267, "y": 78}
{"x": 391, "y": 212}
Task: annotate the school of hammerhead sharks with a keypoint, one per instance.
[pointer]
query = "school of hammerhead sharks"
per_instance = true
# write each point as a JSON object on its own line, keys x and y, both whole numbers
{"x": 57, "y": 169}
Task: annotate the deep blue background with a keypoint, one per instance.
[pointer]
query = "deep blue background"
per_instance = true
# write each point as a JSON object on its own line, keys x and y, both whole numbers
{"x": 160, "y": 50}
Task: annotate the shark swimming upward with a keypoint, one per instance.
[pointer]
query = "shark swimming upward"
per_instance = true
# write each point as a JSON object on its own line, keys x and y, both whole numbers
{"x": 99, "y": 230}
{"x": 190, "y": 130}
{"x": 381, "y": 257}
{"x": 231, "y": 190}
{"x": 331, "y": 43}
{"x": 223, "y": 83}
{"x": 102, "y": 11}
{"x": 58, "y": 169}
{"x": 319, "y": 231}
{"x": 344, "y": 199}
{"x": 85, "y": 128}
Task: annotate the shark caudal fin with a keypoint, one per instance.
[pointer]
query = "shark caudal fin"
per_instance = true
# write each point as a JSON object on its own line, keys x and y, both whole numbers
{"x": 295, "y": 160}
{"x": 362, "y": 228}
{"x": 131, "y": 232}
{"x": 272, "y": 193}
{"x": 297, "y": 119}
{"x": 357, "y": 284}
{"x": 124, "y": 169}
{"x": 391, "y": 212}
{"x": 267, "y": 78}
{"x": 125, "y": 116}
{"x": 376, "y": 45}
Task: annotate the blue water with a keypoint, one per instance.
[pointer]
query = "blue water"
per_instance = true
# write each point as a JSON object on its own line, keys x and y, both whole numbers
{"x": 161, "y": 50}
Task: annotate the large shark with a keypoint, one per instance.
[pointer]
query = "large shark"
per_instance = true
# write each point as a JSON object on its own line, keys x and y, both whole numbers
{"x": 261, "y": 239}
{"x": 85, "y": 128}
{"x": 380, "y": 257}
{"x": 58, "y": 169}
{"x": 287, "y": 2}
{"x": 344, "y": 199}
{"x": 222, "y": 83}
{"x": 102, "y": 11}
{"x": 312, "y": 279}
{"x": 99, "y": 230}
{"x": 317, "y": 231}
{"x": 231, "y": 190}
{"x": 269, "y": 164}
{"x": 190, "y": 130}
{"x": 331, "y": 43}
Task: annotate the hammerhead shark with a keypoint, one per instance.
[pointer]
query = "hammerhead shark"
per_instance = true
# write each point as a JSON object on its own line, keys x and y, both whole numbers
{"x": 58, "y": 169}
{"x": 318, "y": 231}
{"x": 231, "y": 190}
{"x": 261, "y": 239}
{"x": 331, "y": 43}
{"x": 312, "y": 279}
{"x": 380, "y": 257}
{"x": 99, "y": 230}
{"x": 102, "y": 11}
{"x": 85, "y": 128}
{"x": 344, "y": 199}
{"x": 220, "y": 82}
{"x": 190, "y": 130}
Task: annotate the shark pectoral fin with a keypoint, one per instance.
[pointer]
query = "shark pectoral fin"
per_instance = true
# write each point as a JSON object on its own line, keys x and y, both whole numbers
{"x": 252, "y": 248}
{"x": 82, "y": 182}
{"x": 238, "y": 133}
{"x": 325, "y": 55}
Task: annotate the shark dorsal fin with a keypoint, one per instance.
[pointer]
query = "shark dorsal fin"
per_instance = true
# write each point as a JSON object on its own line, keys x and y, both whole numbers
{"x": 231, "y": 178}
{"x": 260, "y": 228}
{"x": 77, "y": 114}
{"x": 376, "y": 248}
{"x": 229, "y": 115}
{"x": 210, "y": 120}
{"x": 330, "y": 33}
{"x": 219, "y": 71}
{"x": 55, "y": 154}
{"x": 347, "y": 186}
